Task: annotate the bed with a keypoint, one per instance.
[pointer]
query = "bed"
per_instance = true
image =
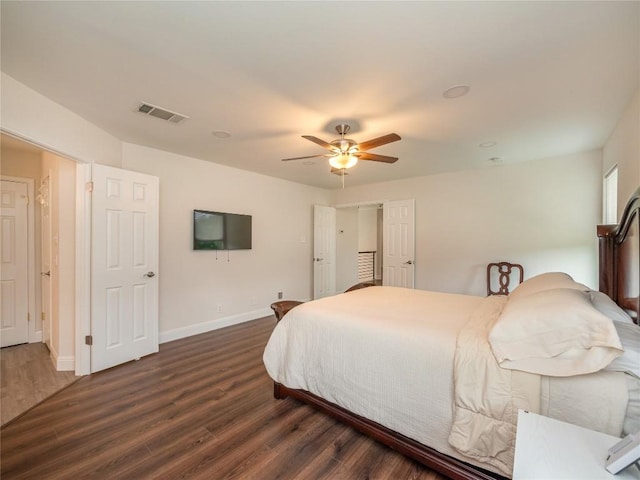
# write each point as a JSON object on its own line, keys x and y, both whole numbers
{"x": 362, "y": 357}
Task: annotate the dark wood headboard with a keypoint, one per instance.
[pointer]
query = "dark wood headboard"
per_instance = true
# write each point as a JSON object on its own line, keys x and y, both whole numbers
{"x": 619, "y": 247}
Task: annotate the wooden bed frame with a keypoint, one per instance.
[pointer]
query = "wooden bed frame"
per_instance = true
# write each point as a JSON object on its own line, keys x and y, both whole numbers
{"x": 620, "y": 258}
{"x": 619, "y": 251}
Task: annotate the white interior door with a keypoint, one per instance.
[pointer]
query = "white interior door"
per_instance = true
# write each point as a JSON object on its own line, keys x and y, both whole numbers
{"x": 324, "y": 251}
{"x": 399, "y": 243}
{"x": 14, "y": 287}
{"x": 124, "y": 266}
{"x": 44, "y": 194}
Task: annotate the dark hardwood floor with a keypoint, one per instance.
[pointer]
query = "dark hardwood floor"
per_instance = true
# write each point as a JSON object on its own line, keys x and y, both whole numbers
{"x": 201, "y": 408}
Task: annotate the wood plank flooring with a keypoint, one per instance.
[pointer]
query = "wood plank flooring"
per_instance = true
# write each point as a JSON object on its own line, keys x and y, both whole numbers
{"x": 27, "y": 377}
{"x": 201, "y": 408}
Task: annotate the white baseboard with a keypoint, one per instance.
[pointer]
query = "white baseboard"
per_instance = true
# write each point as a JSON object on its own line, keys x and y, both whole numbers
{"x": 60, "y": 362}
{"x": 66, "y": 364}
{"x": 183, "y": 332}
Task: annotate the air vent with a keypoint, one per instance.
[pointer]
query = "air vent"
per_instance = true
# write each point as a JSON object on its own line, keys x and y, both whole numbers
{"x": 161, "y": 113}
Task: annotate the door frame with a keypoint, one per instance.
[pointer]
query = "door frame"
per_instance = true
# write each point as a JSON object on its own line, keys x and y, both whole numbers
{"x": 46, "y": 307}
{"x": 83, "y": 267}
{"x": 83, "y": 252}
{"x": 32, "y": 266}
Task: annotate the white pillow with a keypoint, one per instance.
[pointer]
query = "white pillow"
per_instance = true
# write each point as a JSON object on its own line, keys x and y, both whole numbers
{"x": 554, "y": 332}
{"x": 545, "y": 281}
{"x": 605, "y": 305}
{"x": 629, "y": 361}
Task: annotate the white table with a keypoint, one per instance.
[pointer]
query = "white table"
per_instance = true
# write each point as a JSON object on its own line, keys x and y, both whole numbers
{"x": 552, "y": 450}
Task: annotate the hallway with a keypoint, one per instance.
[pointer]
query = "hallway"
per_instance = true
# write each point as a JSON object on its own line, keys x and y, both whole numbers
{"x": 28, "y": 377}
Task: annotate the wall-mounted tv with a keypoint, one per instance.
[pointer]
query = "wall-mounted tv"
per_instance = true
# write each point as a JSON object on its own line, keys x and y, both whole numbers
{"x": 221, "y": 231}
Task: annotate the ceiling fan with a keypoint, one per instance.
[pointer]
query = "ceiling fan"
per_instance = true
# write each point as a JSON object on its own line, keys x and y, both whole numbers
{"x": 345, "y": 152}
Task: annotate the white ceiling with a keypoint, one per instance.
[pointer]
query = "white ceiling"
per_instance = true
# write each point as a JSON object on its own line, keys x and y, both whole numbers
{"x": 546, "y": 78}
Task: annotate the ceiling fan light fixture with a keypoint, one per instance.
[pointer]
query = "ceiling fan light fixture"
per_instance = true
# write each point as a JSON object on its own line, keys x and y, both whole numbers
{"x": 346, "y": 152}
{"x": 343, "y": 161}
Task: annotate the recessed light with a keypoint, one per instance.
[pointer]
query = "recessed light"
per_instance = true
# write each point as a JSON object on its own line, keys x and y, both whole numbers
{"x": 221, "y": 134}
{"x": 456, "y": 91}
{"x": 487, "y": 144}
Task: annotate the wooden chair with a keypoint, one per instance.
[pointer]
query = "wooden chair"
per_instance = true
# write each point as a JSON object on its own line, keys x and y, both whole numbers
{"x": 281, "y": 307}
{"x": 504, "y": 270}
{"x": 358, "y": 286}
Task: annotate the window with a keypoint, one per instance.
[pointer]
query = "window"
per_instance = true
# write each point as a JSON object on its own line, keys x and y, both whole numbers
{"x": 610, "y": 196}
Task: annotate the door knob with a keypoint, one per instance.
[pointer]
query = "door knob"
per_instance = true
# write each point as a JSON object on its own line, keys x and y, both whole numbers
{"x": 46, "y": 274}
{"x": 150, "y": 274}
{"x": 408, "y": 262}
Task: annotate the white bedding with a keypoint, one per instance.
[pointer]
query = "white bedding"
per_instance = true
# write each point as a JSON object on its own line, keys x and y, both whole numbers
{"x": 369, "y": 351}
{"x": 387, "y": 354}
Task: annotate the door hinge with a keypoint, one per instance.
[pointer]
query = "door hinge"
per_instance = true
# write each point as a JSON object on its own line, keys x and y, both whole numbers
{"x": 29, "y": 317}
{"x": 88, "y": 340}
{"x": 89, "y": 186}
{"x": 27, "y": 197}
{"x": 42, "y": 316}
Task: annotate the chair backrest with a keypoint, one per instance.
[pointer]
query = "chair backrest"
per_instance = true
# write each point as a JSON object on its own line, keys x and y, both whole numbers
{"x": 502, "y": 271}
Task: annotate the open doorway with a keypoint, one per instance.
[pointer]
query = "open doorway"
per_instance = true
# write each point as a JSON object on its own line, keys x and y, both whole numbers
{"x": 359, "y": 238}
{"x": 56, "y": 325}
{"x": 375, "y": 239}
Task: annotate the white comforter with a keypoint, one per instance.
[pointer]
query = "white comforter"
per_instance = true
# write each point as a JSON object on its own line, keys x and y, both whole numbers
{"x": 382, "y": 352}
{"x": 387, "y": 354}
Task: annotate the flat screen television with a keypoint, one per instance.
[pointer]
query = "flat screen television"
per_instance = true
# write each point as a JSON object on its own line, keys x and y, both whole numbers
{"x": 221, "y": 231}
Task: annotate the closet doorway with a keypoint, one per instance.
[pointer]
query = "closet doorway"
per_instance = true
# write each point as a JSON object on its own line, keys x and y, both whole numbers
{"x": 375, "y": 242}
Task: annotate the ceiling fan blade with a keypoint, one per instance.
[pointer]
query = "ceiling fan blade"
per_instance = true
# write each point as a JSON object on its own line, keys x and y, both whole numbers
{"x": 375, "y": 157}
{"x": 302, "y": 158}
{"x": 376, "y": 142}
{"x": 320, "y": 142}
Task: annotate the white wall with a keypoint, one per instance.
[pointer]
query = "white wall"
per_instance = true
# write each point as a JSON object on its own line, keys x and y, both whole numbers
{"x": 541, "y": 214}
{"x": 243, "y": 283}
{"x": 33, "y": 117}
{"x": 623, "y": 149}
{"x": 367, "y": 229}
